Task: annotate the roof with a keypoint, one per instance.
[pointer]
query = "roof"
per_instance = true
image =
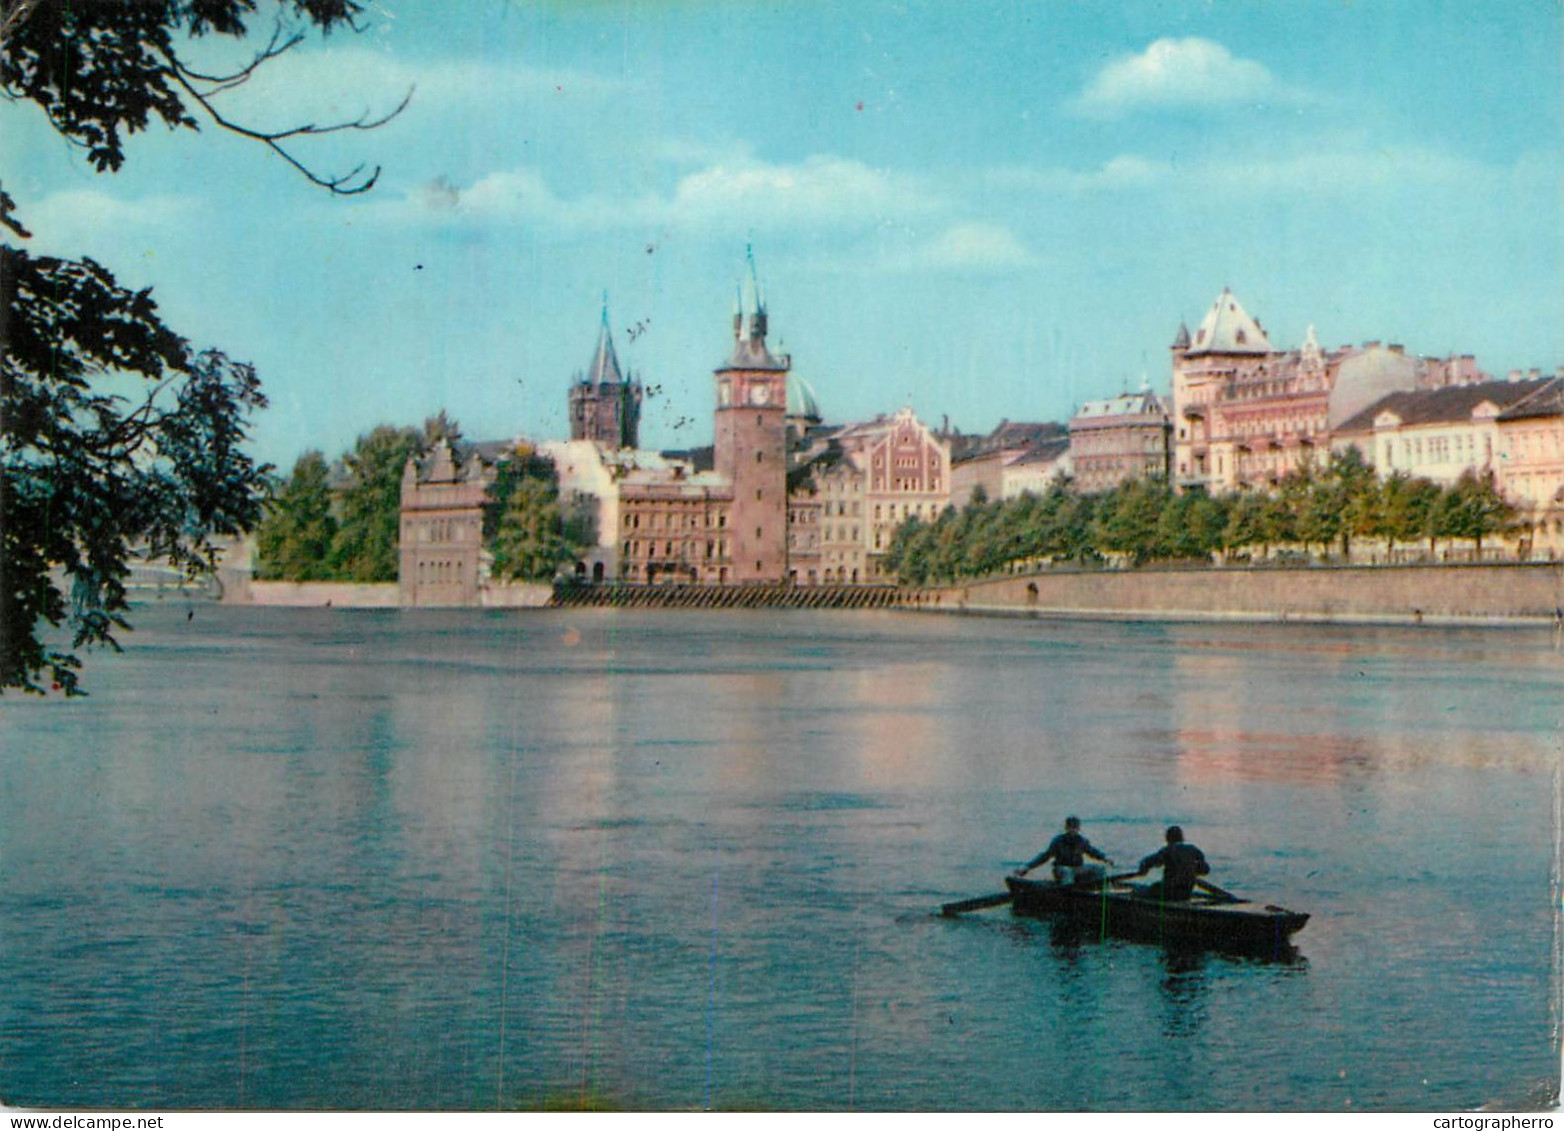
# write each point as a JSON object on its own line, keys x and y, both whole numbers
{"x": 1450, "y": 405}
{"x": 1043, "y": 452}
{"x": 1142, "y": 403}
{"x": 1007, "y": 435}
{"x": 1228, "y": 328}
{"x": 700, "y": 459}
{"x": 1546, "y": 401}
{"x": 801, "y": 400}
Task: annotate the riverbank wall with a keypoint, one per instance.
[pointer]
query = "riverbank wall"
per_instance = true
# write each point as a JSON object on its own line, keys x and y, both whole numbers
{"x": 1516, "y": 592}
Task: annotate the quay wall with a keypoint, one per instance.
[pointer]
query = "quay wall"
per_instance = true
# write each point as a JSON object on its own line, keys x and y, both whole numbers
{"x": 315, "y": 594}
{"x": 1495, "y": 592}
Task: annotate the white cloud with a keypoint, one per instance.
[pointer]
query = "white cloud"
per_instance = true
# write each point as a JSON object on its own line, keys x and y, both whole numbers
{"x": 975, "y": 247}
{"x": 1179, "y": 73}
{"x": 1126, "y": 171}
{"x": 1314, "y": 171}
{"x": 820, "y": 191}
{"x": 79, "y": 221}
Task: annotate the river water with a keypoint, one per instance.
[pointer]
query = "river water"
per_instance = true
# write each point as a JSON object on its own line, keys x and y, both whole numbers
{"x": 361, "y": 859}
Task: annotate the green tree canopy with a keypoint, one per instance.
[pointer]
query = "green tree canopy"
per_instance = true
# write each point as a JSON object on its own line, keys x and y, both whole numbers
{"x": 102, "y": 70}
{"x": 118, "y": 435}
{"x": 294, "y": 540}
{"x": 364, "y": 548}
{"x": 530, "y": 544}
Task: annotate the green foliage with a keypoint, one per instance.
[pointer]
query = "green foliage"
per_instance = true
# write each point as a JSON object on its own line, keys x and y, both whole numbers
{"x": 294, "y": 541}
{"x": 530, "y": 543}
{"x": 117, "y": 434}
{"x": 364, "y": 548}
{"x": 1407, "y": 508}
{"x": 1143, "y": 521}
{"x": 103, "y": 70}
{"x": 1473, "y": 508}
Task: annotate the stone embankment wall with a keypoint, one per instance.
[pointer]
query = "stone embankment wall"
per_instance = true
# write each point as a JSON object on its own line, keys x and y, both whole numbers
{"x": 1519, "y": 592}
{"x": 344, "y": 595}
{"x": 314, "y": 594}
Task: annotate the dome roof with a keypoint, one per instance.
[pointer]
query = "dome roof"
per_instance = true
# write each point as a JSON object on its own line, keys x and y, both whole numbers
{"x": 801, "y": 400}
{"x": 1367, "y": 376}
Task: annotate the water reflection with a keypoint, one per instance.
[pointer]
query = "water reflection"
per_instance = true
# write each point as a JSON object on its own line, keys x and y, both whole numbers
{"x": 460, "y": 861}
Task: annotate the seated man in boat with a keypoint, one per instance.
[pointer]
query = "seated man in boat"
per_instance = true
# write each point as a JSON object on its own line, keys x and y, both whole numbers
{"x": 1069, "y": 851}
{"x": 1181, "y": 864}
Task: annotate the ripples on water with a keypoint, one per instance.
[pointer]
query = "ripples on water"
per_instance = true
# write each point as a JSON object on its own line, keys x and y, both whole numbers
{"x": 290, "y": 859}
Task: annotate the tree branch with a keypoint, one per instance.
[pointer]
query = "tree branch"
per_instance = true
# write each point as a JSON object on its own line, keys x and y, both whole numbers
{"x": 13, "y": 16}
{"x": 343, "y": 185}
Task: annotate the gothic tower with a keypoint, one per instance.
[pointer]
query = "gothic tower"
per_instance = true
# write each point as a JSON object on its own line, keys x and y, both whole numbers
{"x": 751, "y": 442}
{"x": 605, "y": 406}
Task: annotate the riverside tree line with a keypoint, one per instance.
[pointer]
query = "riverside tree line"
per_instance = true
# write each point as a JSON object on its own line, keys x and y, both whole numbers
{"x": 321, "y": 526}
{"x": 1318, "y": 507}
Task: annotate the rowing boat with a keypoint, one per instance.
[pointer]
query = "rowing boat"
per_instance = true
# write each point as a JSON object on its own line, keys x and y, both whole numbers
{"x": 1214, "y": 921}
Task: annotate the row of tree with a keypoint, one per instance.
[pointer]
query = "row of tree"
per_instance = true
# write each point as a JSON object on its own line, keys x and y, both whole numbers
{"x": 1144, "y": 520}
{"x": 345, "y": 526}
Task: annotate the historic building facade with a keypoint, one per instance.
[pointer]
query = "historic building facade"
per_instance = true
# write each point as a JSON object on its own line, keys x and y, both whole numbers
{"x": 787, "y": 499}
{"x": 1118, "y": 439}
{"x": 778, "y": 498}
{"x": 440, "y": 544}
{"x": 1000, "y": 462}
{"x": 1246, "y": 414}
{"x": 1530, "y": 451}
{"x": 1437, "y": 433}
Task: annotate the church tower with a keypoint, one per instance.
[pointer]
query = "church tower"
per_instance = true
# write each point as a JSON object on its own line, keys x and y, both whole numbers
{"x": 751, "y": 442}
{"x": 605, "y": 406}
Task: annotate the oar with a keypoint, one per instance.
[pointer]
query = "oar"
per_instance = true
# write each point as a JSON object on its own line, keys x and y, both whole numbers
{"x": 1212, "y": 889}
{"x": 975, "y": 904}
{"x": 1122, "y": 877}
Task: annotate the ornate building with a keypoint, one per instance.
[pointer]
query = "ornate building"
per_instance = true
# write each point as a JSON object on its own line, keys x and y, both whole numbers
{"x": 786, "y": 499}
{"x": 605, "y": 404}
{"x": 1120, "y": 438}
{"x": 440, "y": 547}
{"x": 1245, "y": 414}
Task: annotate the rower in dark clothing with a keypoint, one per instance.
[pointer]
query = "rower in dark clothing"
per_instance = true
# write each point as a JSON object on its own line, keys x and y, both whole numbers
{"x": 1181, "y": 863}
{"x": 1068, "y": 851}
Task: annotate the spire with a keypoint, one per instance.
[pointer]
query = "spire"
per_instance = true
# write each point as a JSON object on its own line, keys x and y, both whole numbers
{"x": 749, "y": 322}
{"x": 604, "y": 369}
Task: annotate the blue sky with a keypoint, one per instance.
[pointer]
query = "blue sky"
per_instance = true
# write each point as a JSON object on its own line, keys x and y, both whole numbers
{"x": 979, "y": 210}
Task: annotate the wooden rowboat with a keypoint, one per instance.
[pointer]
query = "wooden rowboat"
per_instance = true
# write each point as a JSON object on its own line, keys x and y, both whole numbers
{"x": 1221, "y": 922}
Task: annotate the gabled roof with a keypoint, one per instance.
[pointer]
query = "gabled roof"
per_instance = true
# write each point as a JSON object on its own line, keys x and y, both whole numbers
{"x": 1452, "y": 405}
{"x": 1227, "y": 328}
